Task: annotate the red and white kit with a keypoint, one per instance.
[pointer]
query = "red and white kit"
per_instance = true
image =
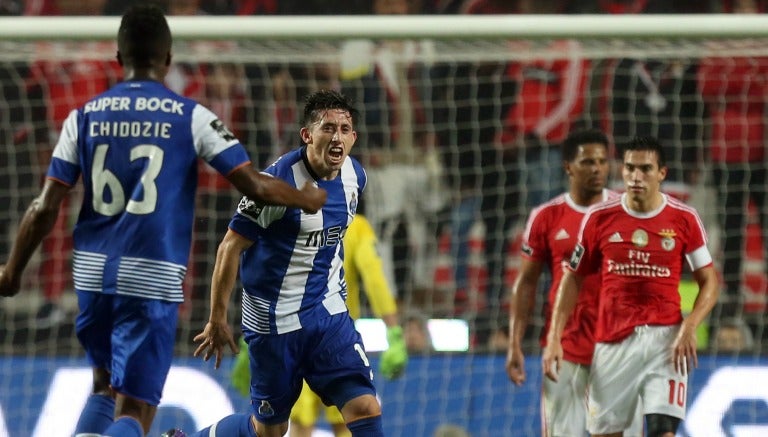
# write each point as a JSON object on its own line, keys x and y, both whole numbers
{"x": 640, "y": 258}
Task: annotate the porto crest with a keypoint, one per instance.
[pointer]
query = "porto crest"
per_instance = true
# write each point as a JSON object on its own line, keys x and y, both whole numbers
{"x": 353, "y": 204}
{"x": 265, "y": 409}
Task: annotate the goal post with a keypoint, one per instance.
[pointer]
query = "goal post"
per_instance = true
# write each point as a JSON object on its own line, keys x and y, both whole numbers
{"x": 444, "y": 141}
{"x": 415, "y": 26}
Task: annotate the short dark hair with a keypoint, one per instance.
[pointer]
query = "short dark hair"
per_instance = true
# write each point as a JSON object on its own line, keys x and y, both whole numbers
{"x": 323, "y": 100}
{"x": 144, "y": 36}
{"x": 646, "y": 143}
{"x": 570, "y": 147}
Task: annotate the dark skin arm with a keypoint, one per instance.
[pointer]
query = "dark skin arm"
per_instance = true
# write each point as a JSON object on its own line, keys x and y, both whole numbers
{"x": 41, "y": 215}
{"x": 37, "y": 222}
{"x": 523, "y": 300}
{"x": 258, "y": 187}
{"x": 274, "y": 191}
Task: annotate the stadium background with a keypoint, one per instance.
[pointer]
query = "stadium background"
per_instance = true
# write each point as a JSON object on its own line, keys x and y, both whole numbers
{"x": 435, "y": 130}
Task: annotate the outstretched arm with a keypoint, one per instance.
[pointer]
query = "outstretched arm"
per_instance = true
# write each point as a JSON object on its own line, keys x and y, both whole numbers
{"x": 217, "y": 334}
{"x": 522, "y": 302}
{"x": 37, "y": 222}
{"x": 565, "y": 302}
{"x": 274, "y": 191}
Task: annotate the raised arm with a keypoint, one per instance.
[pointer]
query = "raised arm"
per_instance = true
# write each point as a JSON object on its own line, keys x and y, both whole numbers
{"x": 37, "y": 222}
{"x": 522, "y": 303}
{"x": 217, "y": 332}
{"x": 565, "y": 302}
{"x": 274, "y": 191}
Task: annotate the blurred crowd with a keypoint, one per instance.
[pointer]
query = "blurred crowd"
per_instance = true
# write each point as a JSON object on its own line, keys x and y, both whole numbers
{"x": 457, "y": 152}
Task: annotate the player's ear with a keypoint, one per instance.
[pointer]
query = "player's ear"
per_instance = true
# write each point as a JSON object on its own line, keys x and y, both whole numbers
{"x": 567, "y": 167}
{"x": 168, "y": 59}
{"x": 306, "y": 136}
{"x": 663, "y": 173}
{"x": 119, "y": 58}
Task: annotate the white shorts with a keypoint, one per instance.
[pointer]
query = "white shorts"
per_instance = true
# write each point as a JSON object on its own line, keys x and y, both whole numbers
{"x": 637, "y": 370}
{"x": 564, "y": 405}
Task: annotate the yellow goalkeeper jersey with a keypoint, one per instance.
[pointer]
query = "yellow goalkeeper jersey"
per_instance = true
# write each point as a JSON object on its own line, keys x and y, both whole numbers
{"x": 363, "y": 263}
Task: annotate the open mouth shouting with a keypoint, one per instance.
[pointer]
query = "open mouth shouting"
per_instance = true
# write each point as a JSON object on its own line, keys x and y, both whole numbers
{"x": 336, "y": 155}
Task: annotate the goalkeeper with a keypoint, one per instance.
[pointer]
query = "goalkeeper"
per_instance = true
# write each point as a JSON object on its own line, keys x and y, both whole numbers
{"x": 361, "y": 263}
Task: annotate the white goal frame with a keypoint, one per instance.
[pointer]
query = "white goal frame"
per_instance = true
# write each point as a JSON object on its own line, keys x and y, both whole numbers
{"x": 414, "y": 26}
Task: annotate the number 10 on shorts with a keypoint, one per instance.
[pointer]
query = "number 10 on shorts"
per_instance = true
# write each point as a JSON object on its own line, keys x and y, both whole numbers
{"x": 676, "y": 393}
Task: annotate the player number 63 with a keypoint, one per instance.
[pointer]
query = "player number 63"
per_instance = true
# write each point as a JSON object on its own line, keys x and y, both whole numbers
{"x": 103, "y": 179}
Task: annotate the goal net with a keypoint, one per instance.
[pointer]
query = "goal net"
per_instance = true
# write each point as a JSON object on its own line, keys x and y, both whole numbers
{"x": 461, "y": 118}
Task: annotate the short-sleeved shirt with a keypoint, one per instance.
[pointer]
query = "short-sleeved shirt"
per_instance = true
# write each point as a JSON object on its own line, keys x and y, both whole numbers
{"x": 549, "y": 238}
{"x": 640, "y": 259}
{"x": 292, "y": 274}
{"x": 136, "y": 147}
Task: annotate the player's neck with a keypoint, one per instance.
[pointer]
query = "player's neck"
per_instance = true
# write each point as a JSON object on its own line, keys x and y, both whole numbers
{"x": 586, "y": 198}
{"x": 643, "y": 205}
{"x": 133, "y": 73}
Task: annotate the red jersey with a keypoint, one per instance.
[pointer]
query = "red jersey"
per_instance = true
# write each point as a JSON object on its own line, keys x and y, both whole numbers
{"x": 734, "y": 89}
{"x": 69, "y": 84}
{"x": 549, "y": 238}
{"x": 550, "y": 94}
{"x": 640, "y": 259}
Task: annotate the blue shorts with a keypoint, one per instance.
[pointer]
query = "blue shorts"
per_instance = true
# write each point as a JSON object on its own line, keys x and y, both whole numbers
{"x": 329, "y": 355}
{"x": 131, "y": 337}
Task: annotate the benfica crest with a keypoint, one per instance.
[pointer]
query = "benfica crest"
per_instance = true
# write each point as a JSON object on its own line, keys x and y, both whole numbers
{"x": 667, "y": 239}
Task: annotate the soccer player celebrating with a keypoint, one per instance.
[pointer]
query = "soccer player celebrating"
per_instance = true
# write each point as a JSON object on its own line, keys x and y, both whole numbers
{"x": 645, "y": 347}
{"x": 295, "y": 319}
{"x": 136, "y": 148}
{"x": 548, "y": 240}
{"x": 361, "y": 263}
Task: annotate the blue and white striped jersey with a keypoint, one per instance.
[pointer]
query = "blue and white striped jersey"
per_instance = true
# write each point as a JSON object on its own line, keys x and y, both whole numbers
{"x": 136, "y": 147}
{"x": 292, "y": 274}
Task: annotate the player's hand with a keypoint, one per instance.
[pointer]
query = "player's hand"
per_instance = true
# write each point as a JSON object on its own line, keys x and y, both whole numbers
{"x": 552, "y": 359}
{"x": 684, "y": 349}
{"x": 213, "y": 339}
{"x": 9, "y": 284}
{"x": 394, "y": 359}
{"x": 516, "y": 365}
{"x": 241, "y": 371}
{"x": 314, "y": 197}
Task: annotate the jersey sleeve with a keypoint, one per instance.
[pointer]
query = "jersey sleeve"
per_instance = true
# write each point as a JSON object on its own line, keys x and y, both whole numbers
{"x": 363, "y": 178}
{"x": 697, "y": 254}
{"x": 252, "y": 217}
{"x": 216, "y": 144}
{"x": 585, "y": 259}
{"x": 65, "y": 163}
{"x": 369, "y": 265}
{"x": 534, "y": 245}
